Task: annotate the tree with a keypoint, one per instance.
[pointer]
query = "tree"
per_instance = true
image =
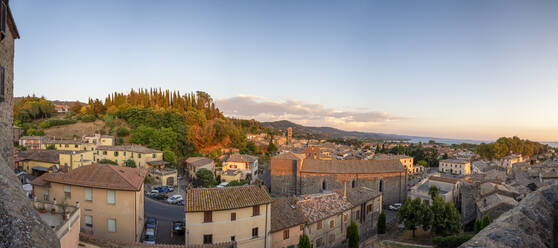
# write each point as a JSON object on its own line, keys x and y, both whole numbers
{"x": 353, "y": 235}
{"x": 304, "y": 242}
{"x": 236, "y": 183}
{"x": 204, "y": 178}
{"x": 415, "y": 213}
{"x": 478, "y": 225}
{"x": 382, "y": 223}
{"x": 121, "y": 132}
{"x": 75, "y": 108}
{"x": 130, "y": 163}
{"x": 107, "y": 161}
{"x": 433, "y": 192}
{"x": 445, "y": 220}
{"x": 170, "y": 157}
{"x": 485, "y": 221}
{"x": 271, "y": 148}
{"x": 51, "y": 147}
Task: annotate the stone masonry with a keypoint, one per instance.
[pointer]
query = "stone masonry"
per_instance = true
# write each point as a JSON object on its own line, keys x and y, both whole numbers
{"x": 20, "y": 225}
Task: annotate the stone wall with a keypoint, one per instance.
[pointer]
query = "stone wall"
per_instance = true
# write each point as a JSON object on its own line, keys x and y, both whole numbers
{"x": 532, "y": 223}
{"x": 20, "y": 224}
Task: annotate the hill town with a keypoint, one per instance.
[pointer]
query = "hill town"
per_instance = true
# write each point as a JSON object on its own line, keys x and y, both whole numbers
{"x": 155, "y": 167}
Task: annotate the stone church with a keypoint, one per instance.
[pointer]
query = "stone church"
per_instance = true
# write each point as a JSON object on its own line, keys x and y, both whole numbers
{"x": 293, "y": 175}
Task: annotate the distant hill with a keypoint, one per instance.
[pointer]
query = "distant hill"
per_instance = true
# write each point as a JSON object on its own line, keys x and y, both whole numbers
{"x": 329, "y": 132}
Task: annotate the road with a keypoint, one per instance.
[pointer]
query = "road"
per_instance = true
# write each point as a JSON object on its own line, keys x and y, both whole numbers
{"x": 165, "y": 215}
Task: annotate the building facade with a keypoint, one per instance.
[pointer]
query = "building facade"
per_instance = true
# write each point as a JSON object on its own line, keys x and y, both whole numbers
{"x": 142, "y": 156}
{"x": 110, "y": 197}
{"x": 455, "y": 166}
{"x": 287, "y": 223}
{"x": 245, "y": 164}
{"x": 291, "y": 175}
{"x": 194, "y": 164}
{"x": 238, "y": 213}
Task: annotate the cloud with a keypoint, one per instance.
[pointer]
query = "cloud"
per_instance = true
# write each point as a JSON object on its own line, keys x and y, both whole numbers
{"x": 253, "y": 107}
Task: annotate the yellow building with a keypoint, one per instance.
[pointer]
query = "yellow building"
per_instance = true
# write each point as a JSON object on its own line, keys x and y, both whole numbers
{"x": 110, "y": 198}
{"x": 455, "y": 166}
{"x": 237, "y": 213}
{"x": 245, "y": 164}
{"x": 143, "y": 157}
{"x": 99, "y": 140}
{"x": 40, "y": 161}
{"x": 164, "y": 176}
{"x": 407, "y": 161}
{"x": 64, "y": 145}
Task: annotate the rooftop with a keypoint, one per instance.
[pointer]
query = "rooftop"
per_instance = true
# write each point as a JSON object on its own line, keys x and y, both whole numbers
{"x": 103, "y": 176}
{"x": 242, "y": 158}
{"x": 290, "y": 156}
{"x": 214, "y": 199}
{"x": 285, "y": 214}
{"x": 49, "y": 156}
{"x": 198, "y": 161}
{"x": 317, "y": 207}
{"x": 454, "y": 161}
{"x": 359, "y": 195}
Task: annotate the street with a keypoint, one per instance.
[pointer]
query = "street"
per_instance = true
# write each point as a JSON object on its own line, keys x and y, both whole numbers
{"x": 165, "y": 215}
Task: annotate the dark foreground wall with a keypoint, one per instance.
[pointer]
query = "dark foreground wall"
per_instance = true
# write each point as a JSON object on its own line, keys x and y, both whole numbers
{"x": 532, "y": 223}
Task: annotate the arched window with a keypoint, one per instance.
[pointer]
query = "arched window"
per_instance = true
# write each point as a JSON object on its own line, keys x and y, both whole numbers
{"x": 381, "y": 185}
{"x": 324, "y": 186}
{"x": 353, "y": 183}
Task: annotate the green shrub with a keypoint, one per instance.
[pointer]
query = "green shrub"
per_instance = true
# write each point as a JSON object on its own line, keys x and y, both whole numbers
{"x": 56, "y": 122}
{"x": 122, "y": 132}
{"x": 452, "y": 241}
{"x": 88, "y": 118}
{"x": 382, "y": 223}
{"x": 107, "y": 161}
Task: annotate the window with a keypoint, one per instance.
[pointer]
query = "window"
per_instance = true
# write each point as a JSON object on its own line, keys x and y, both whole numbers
{"x": 331, "y": 224}
{"x": 111, "y": 225}
{"x": 319, "y": 225}
{"x": 286, "y": 234}
{"x": 45, "y": 195}
{"x": 319, "y": 242}
{"x": 345, "y": 216}
{"x": 111, "y": 197}
{"x": 233, "y": 238}
{"x": 67, "y": 192}
{"x": 2, "y": 90}
{"x": 89, "y": 221}
{"x": 357, "y": 214}
{"x": 116, "y": 154}
{"x": 207, "y": 217}
{"x": 124, "y": 154}
{"x": 154, "y": 155}
{"x": 381, "y": 185}
{"x": 88, "y": 195}
{"x": 66, "y": 145}
{"x": 254, "y": 232}
{"x": 3, "y": 18}
{"x": 353, "y": 184}
{"x": 256, "y": 211}
{"x": 208, "y": 239}
{"x": 369, "y": 208}
{"x": 75, "y": 146}
{"x": 324, "y": 186}
{"x": 105, "y": 153}
{"x": 139, "y": 155}
{"x": 233, "y": 216}
{"x": 302, "y": 227}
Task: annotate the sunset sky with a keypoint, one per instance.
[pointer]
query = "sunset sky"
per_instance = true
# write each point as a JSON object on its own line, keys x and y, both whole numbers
{"x": 455, "y": 69}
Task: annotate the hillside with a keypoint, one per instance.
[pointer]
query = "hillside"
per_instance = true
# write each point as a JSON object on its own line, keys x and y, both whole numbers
{"x": 328, "y": 132}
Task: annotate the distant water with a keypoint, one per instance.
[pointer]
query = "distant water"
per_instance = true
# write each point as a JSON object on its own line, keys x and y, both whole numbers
{"x": 459, "y": 141}
{"x": 445, "y": 141}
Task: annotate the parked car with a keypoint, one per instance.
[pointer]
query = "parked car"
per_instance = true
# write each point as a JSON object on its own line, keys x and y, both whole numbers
{"x": 159, "y": 196}
{"x": 170, "y": 188}
{"x": 151, "y": 222}
{"x": 163, "y": 189}
{"x": 149, "y": 237}
{"x": 178, "y": 227}
{"x": 395, "y": 206}
{"x": 175, "y": 199}
{"x": 180, "y": 203}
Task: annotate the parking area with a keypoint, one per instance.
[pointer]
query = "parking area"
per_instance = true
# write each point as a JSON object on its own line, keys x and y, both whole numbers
{"x": 165, "y": 215}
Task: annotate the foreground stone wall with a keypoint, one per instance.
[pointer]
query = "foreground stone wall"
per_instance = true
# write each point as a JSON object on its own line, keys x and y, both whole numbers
{"x": 532, "y": 223}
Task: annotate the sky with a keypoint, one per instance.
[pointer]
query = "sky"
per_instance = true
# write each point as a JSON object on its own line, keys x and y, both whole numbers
{"x": 455, "y": 69}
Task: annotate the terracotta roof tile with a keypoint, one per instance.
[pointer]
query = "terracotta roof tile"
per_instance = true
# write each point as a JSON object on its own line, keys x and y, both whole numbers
{"x": 285, "y": 214}
{"x": 198, "y": 161}
{"x": 213, "y": 199}
{"x": 320, "y": 206}
{"x": 103, "y": 176}
{"x": 242, "y": 158}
